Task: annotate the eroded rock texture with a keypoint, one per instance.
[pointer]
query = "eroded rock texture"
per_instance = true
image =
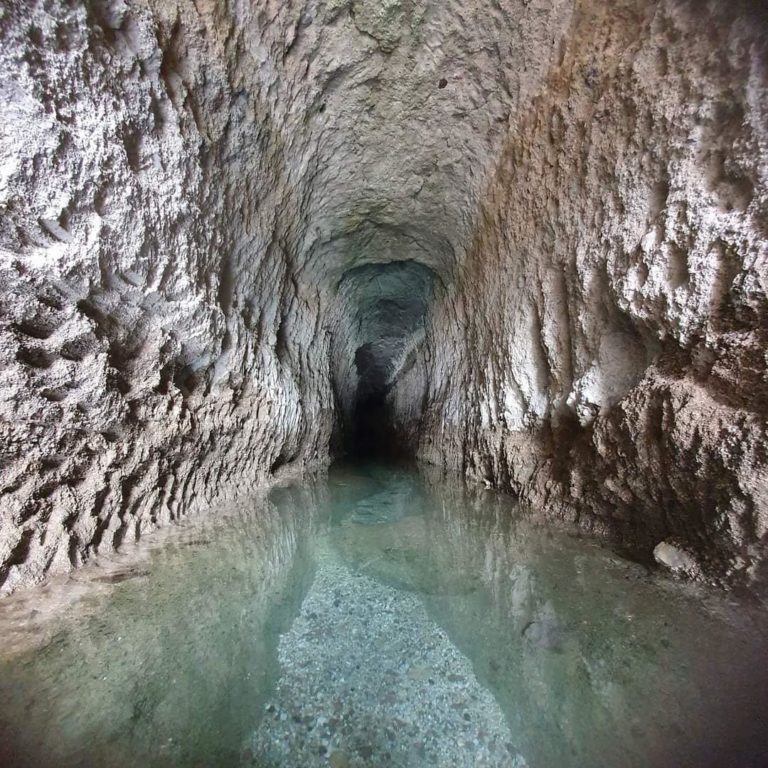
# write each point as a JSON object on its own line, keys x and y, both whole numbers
{"x": 529, "y": 236}
{"x": 610, "y": 318}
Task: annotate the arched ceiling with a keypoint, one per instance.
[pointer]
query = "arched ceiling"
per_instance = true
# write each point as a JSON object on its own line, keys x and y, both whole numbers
{"x": 392, "y": 114}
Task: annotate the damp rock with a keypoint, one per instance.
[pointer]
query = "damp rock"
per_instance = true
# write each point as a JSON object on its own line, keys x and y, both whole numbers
{"x": 675, "y": 558}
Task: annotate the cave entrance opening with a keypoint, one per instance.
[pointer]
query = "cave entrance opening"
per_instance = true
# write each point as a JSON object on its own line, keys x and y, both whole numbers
{"x": 386, "y": 304}
{"x": 373, "y": 433}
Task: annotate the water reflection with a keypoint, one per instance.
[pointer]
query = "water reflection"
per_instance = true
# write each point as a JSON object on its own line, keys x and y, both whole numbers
{"x": 594, "y": 660}
{"x": 171, "y": 667}
{"x": 590, "y": 659}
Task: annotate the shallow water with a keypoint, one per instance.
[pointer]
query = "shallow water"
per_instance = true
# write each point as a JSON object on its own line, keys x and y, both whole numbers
{"x": 380, "y": 619}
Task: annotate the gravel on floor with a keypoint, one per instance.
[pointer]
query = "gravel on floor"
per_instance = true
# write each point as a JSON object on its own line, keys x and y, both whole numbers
{"x": 368, "y": 679}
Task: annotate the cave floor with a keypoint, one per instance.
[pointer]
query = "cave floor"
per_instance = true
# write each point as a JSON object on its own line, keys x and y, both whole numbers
{"x": 379, "y": 617}
{"x": 368, "y": 678}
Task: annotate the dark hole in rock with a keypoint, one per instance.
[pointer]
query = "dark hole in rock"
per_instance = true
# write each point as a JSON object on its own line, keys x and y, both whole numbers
{"x": 188, "y": 379}
{"x": 442, "y": 83}
{"x": 373, "y": 432}
{"x": 34, "y": 329}
{"x": 21, "y": 550}
{"x": 281, "y": 342}
{"x": 49, "y": 463}
{"x": 35, "y": 357}
{"x": 118, "y": 537}
{"x": 286, "y": 456}
{"x": 54, "y": 395}
{"x": 276, "y": 464}
{"x": 46, "y": 489}
{"x": 76, "y": 349}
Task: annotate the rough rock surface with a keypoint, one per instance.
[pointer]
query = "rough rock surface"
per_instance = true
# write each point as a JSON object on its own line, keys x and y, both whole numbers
{"x": 537, "y": 228}
{"x": 603, "y": 350}
{"x": 157, "y": 350}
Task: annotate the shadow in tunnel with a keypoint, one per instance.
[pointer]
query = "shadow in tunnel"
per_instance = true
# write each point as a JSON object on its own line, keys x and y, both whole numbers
{"x": 372, "y": 433}
{"x": 385, "y": 308}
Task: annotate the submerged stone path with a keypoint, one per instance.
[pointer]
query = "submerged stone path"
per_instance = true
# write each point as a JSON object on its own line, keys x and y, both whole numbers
{"x": 368, "y": 679}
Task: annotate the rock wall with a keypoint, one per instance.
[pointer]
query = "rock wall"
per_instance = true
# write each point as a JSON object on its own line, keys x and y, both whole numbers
{"x": 157, "y": 351}
{"x": 603, "y": 352}
{"x": 194, "y": 199}
{"x": 537, "y": 227}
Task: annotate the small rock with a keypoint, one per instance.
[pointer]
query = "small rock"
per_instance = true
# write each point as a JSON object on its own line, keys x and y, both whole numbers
{"x": 676, "y": 559}
{"x": 339, "y": 759}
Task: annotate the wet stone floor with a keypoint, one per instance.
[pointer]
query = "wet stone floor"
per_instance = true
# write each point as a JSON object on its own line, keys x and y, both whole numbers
{"x": 368, "y": 678}
{"x": 379, "y": 618}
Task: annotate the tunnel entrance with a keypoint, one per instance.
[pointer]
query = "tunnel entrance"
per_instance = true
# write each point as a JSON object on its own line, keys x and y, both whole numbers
{"x": 372, "y": 433}
{"x": 385, "y": 309}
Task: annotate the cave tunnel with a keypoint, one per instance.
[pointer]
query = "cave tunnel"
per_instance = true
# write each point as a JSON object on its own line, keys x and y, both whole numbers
{"x": 372, "y": 432}
{"x": 386, "y": 307}
{"x": 383, "y": 383}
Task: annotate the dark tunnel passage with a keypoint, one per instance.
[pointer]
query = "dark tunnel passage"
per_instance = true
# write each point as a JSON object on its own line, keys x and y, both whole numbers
{"x": 387, "y": 305}
{"x": 373, "y": 433}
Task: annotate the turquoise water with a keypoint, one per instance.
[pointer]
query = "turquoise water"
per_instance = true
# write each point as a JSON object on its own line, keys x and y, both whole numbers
{"x": 379, "y": 618}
